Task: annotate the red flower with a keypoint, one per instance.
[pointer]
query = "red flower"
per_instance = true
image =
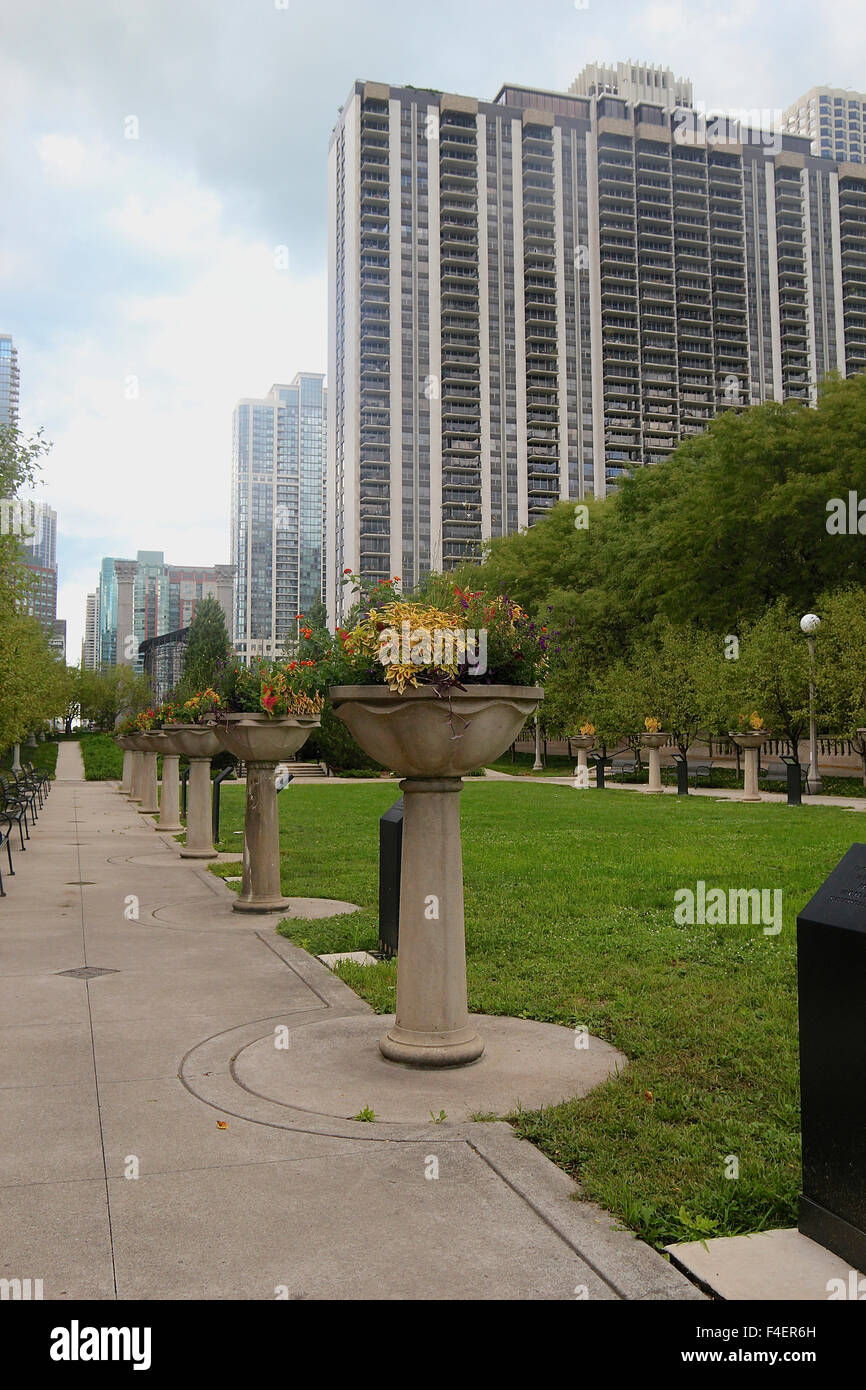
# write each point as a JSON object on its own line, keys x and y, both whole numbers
{"x": 269, "y": 699}
{"x": 347, "y": 571}
{"x": 292, "y": 665}
{"x": 306, "y": 632}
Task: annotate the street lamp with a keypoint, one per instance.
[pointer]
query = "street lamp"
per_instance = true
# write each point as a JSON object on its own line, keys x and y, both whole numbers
{"x": 809, "y": 624}
{"x": 538, "y": 766}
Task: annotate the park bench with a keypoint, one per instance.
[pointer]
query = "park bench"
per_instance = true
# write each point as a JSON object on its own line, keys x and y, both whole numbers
{"x": 621, "y": 766}
{"x": 40, "y": 780}
{"x": 778, "y": 772}
{"x": 12, "y": 809}
{"x": 6, "y": 839}
{"x": 704, "y": 773}
{"x": 28, "y": 793}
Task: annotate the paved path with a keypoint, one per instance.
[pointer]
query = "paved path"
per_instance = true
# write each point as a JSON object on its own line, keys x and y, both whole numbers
{"x": 236, "y": 1196}
{"x": 841, "y": 803}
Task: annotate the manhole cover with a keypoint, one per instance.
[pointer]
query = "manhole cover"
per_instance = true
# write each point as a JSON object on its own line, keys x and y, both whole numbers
{"x": 86, "y": 972}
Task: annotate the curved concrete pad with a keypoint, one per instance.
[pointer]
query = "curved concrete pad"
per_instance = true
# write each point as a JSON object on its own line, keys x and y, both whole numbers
{"x": 335, "y": 1068}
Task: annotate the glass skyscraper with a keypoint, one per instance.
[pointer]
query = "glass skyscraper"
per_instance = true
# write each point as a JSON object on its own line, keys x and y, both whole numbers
{"x": 278, "y": 481}
{"x": 8, "y": 381}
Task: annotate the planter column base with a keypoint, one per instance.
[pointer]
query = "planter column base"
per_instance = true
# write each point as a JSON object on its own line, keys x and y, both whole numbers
{"x": 199, "y": 843}
{"x": 149, "y": 786}
{"x": 136, "y": 778}
{"x": 260, "y": 888}
{"x": 169, "y": 818}
{"x": 655, "y": 775}
{"x": 432, "y": 1027}
{"x": 126, "y": 775}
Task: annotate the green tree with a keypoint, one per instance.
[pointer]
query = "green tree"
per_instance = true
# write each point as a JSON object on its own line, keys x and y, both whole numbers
{"x": 208, "y": 649}
{"x": 107, "y": 694}
{"x": 840, "y": 663}
{"x": 772, "y": 674}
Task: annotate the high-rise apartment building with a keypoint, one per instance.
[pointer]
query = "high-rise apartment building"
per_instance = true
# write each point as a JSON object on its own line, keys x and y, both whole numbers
{"x": 833, "y": 120}
{"x": 89, "y": 644}
{"x": 633, "y": 82}
{"x": 530, "y": 296}
{"x": 145, "y": 598}
{"x": 8, "y": 380}
{"x": 38, "y": 532}
{"x": 278, "y": 512}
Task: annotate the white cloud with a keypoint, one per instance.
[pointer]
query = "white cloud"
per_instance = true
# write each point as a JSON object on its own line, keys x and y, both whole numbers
{"x": 67, "y": 160}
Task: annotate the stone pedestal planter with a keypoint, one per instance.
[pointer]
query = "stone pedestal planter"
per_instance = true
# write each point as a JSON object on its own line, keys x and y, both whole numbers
{"x": 125, "y": 787}
{"x": 169, "y": 792}
{"x": 138, "y": 767}
{"x": 149, "y": 785}
{"x": 261, "y": 742}
{"x": 199, "y": 743}
{"x": 750, "y": 743}
{"x": 655, "y": 743}
{"x": 431, "y": 742}
{"x": 584, "y": 743}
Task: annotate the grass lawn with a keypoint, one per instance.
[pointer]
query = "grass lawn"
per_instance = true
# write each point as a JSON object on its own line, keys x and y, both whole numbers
{"x": 103, "y": 759}
{"x": 43, "y": 757}
{"x": 570, "y": 919}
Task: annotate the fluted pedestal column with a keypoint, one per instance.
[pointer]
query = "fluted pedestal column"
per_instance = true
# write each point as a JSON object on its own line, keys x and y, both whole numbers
{"x": 199, "y": 832}
{"x": 260, "y": 888}
{"x": 126, "y": 775}
{"x": 149, "y": 786}
{"x": 432, "y": 1027}
{"x": 169, "y": 812}
{"x": 135, "y": 782}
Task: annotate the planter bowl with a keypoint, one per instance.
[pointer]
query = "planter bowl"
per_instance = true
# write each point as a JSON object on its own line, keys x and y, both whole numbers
{"x": 257, "y": 738}
{"x": 139, "y": 743}
{"x": 422, "y": 734}
{"x": 584, "y": 741}
{"x": 752, "y": 739}
{"x": 124, "y": 741}
{"x": 192, "y": 740}
{"x": 656, "y": 740}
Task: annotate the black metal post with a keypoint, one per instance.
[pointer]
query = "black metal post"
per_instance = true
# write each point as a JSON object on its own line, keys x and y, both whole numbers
{"x": 682, "y": 774}
{"x": 831, "y": 981}
{"x": 215, "y": 802}
{"x": 184, "y": 778}
{"x": 390, "y": 861}
{"x": 795, "y": 785}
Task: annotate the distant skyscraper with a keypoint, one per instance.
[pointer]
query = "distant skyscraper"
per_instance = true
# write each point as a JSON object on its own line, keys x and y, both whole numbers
{"x": 57, "y": 639}
{"x": 145, "y": 598}
{"x": 89, "y": 645}
{"x": 834, "y": 120}
{"x": 278, "y": 479}
{"x": 39, "y": 543}
{"x": 8, "y": 381}
{"x": 530, "y": 297}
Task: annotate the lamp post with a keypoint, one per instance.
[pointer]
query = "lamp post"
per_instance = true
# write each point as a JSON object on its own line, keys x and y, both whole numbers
{"x": 809, "y": 624}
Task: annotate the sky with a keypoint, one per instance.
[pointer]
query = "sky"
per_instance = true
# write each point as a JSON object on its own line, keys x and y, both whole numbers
{"x": 163, "y": 224}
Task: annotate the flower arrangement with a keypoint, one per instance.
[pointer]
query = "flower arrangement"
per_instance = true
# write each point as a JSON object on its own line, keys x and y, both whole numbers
{"x": 652, "y": 725}
{"x": 752, "y": 721}
{"x": 404, "y": 642}
{"x": 200, "y": 709}
{"x": 279, "y": 689}
{"x": 587, "y": 729}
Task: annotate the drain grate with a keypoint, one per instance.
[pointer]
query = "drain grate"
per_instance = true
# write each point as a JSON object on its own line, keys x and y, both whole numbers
{"x": 81, "y": 883}
{"x": 86, "y": 972}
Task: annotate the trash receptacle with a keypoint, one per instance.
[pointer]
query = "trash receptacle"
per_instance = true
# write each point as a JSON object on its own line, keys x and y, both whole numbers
{"x": 390, "y": 860}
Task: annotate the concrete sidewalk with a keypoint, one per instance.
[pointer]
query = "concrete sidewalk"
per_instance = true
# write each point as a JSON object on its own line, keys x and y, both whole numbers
{"x": 137, "y": 1162}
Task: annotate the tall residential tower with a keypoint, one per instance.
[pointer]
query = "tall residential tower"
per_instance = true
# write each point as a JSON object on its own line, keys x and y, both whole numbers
{"x": 278, "y": 515}
{"x": 530, "y": 296}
